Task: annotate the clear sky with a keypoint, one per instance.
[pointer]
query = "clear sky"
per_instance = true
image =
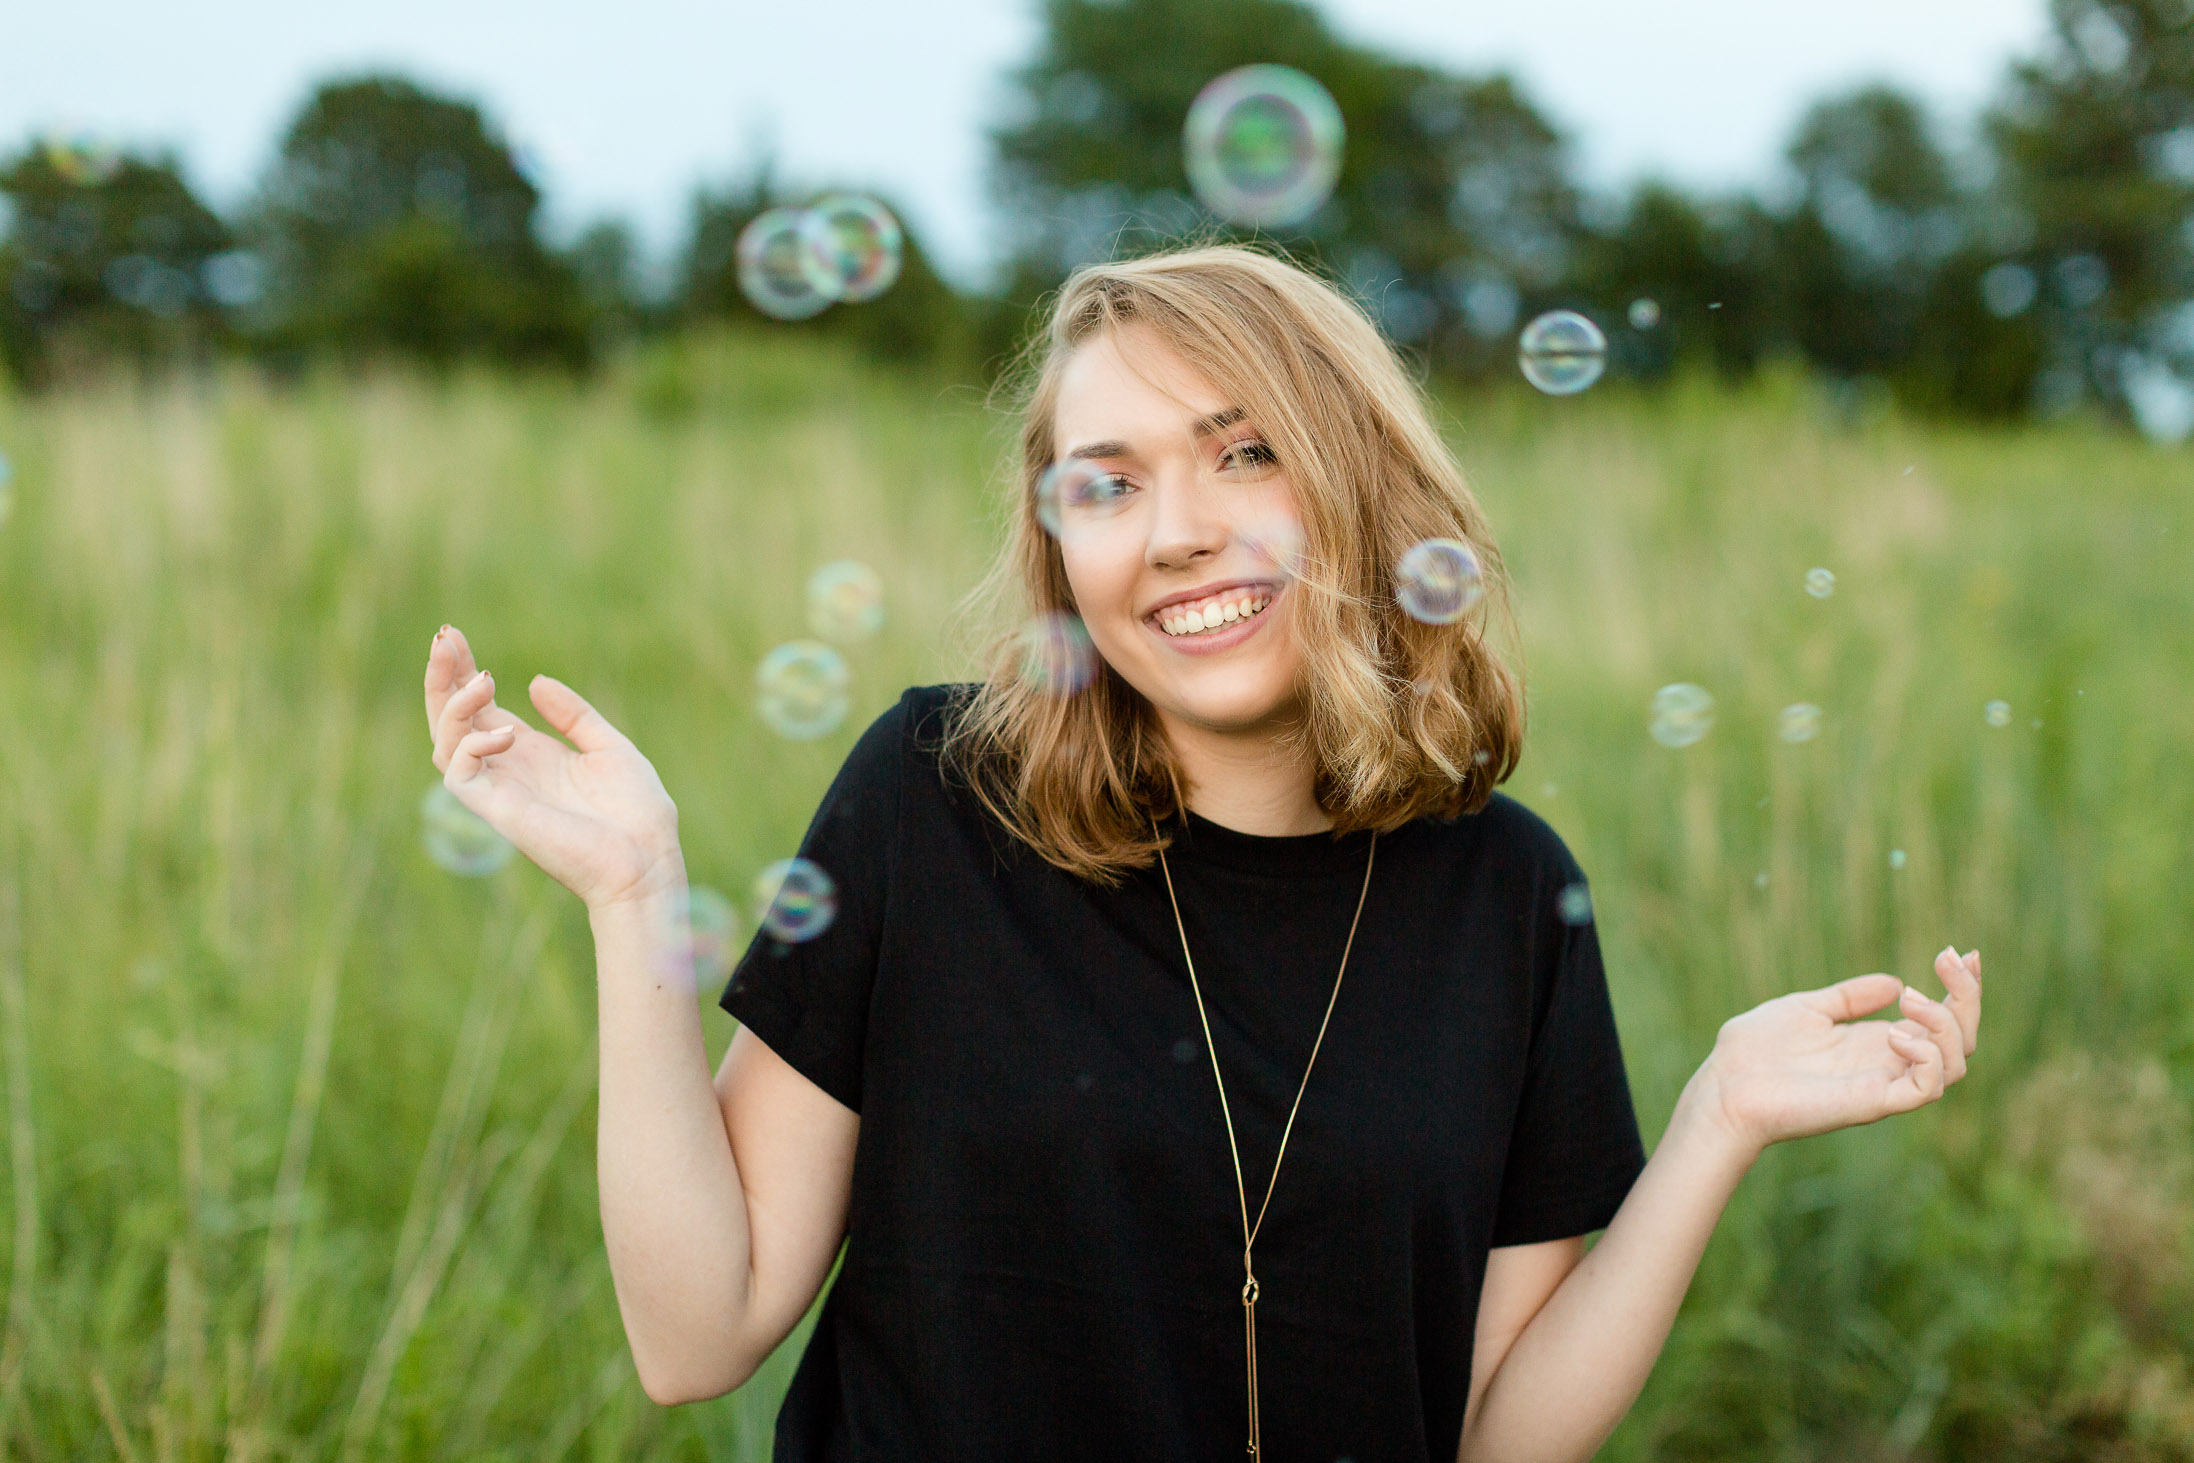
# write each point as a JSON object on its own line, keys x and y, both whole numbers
{"x": 625, "y": 108}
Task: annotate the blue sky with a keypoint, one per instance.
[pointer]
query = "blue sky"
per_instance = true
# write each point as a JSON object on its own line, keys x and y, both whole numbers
{"x": 623, "y": 109}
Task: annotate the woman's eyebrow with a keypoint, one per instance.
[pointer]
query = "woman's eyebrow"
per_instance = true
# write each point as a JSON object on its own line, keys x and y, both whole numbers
{"x": 1218, "y": 421}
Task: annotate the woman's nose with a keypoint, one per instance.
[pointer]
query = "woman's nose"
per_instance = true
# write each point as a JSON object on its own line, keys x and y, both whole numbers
{"x": 1184, "y": 524}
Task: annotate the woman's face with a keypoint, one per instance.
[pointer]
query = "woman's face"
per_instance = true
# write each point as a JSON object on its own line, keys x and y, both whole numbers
{"x": 1168, "y": 524}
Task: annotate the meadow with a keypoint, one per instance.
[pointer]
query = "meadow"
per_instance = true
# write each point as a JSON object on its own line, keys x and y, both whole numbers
{"x": 299, "y": 1126}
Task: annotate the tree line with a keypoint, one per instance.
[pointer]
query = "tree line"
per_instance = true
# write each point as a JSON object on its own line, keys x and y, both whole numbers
{"x": 2042, "y": 264}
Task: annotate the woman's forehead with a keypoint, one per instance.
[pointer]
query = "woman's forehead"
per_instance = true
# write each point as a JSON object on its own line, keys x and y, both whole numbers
{"x": 1127, "y": 385}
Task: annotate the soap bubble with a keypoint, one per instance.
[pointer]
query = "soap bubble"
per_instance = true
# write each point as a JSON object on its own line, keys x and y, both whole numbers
{"x": 1279, "y": 542}
{"x": 1800, "y": 722}
{"x": 1820, "y": 583}
{"x": 705, "y": 934}
{"x": 1070, "y": 483}
{"x": 795, "y": 900}
{"x": 1644, "y": 313}
{"x": 803, "y": 689}
{"x": 778, "y": 272}
{"x": 1263, "y": 145}
{"x": 1561, "y": 352}
{"x": 1574, "y": 904}
{"x": 7, "y": 489}
{"x": 1682, "y": 713}
{"x": 1896, "y": 858}
{"x": 1056, "y": 654}
{"x": 854, "y": 243}
{"x": 845, "y": 601}
{"x": 458, "y": 839}
{"x": 1439, "y": 580}
{"x": 1998, "y": 713}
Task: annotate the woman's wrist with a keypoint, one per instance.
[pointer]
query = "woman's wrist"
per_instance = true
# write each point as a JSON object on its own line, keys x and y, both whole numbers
{"x": 1702, "y": 1120}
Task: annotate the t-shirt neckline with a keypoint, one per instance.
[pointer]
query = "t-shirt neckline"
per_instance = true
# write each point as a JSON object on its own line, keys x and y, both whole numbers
{"x": 1202, "y": 841}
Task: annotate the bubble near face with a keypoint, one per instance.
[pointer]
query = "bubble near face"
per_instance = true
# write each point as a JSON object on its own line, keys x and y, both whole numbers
{"x": 1644, "y": 313}
{"x": 845, "y": 601}
{"x": 803, "y": 689}
{"x": 1263, "y": 145}
{"x": 1820, "y": 583}
{"x": 458, "y": 839}
{"x": 1056, "y": 655}
{"x": 1800, "y": 722}
{"x": 1561, "y": 352}
{"x": 1574, "y": 905}
{"x": 1063, "y": 486}
{"x": 1439, "y": 580}
{"x": 778, "y": 272}
{"x": 1682, "y": 714}
{"x": 795, "y": 900}
{"x": 1997, "y": 713}
{"x": 855, "y": 243}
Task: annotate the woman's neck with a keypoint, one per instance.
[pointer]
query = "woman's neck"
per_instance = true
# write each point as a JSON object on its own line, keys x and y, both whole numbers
{"x": 1249, "y": 781}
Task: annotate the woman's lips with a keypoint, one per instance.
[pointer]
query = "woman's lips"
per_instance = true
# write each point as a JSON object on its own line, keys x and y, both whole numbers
{"x": 1209, "y": 642}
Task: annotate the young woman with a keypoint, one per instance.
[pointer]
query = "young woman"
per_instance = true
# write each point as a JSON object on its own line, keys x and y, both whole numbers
{"x": 1201, "y": 1054}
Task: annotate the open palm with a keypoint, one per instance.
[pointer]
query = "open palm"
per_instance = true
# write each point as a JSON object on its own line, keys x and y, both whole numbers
{"x": 593, "y": 815}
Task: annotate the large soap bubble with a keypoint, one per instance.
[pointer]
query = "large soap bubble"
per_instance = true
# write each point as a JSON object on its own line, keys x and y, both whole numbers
{"x": 1439, "y": 580}
{"x": 795, "y": 900}
{"x": 1263, "y": 145}
{"x": 855, "y": 243}
{"x": 780, "y": 271}
{"x": 458, "y": 839}
{"x": 704, "y": 935}
{"x": 1069, "y": 483}
{"x": 803, "y": 689}
{"x": 1056, "y": 654}
{"x": 845, "y": 601}
{"x": 1682, "y": 714}
{"x": 1561, "y": 352}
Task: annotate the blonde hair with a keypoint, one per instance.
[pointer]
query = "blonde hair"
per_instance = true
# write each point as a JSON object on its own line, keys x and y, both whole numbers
{"x": 1401, "y": 718}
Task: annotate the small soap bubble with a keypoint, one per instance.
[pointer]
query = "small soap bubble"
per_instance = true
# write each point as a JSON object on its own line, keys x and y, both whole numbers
{"x": 795, "y": 900}
{"x": 1184, "y": 1051}
{"x": 1574, "y": 904}
{"x": 802, "y": 686}
{"x": 779, "y": 274}
{"x": 459, "y": 840}
{"x": 1759, "y": 880}
{"x": 7, "y": 489}
{"x": 845, "y": 601}
{"x": 1800, "y": 722}
{"x": 1083, "y": 1081}
{"x": 1263, "y": 145}
{"x": 1561, "y": 352}
{"x": 1896, "y": 858}
{"x": 1998, "y": 713}
{"x": 705, "y": 934}
{"x": 1820, "y": 583}
{"x": 855, "y": 244}
{"x": 1645, "y": 313}
{"x": 1439, "y": 580}
{"x": 1055, "y": 654}
{"x": 1682, "y": 714}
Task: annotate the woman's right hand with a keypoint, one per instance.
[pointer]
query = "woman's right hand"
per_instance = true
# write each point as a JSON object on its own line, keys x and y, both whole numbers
{"x": 596, "y": 819}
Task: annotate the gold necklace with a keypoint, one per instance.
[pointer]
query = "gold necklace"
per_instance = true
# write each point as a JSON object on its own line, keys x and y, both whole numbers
{"x": 1249, "y": 1234}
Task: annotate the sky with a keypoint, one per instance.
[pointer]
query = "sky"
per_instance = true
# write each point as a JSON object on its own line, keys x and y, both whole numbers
{"x": 623, "y": 110}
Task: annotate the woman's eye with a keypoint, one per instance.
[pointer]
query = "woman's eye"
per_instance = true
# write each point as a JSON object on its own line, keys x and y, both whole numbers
{"x": 1248, "y": 456}
{"x": 1100, "y": 487}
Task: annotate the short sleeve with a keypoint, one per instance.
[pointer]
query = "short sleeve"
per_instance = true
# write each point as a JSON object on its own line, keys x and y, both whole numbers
{"x": 1575, "y": 1150}
{"x": 809, "y": 1000}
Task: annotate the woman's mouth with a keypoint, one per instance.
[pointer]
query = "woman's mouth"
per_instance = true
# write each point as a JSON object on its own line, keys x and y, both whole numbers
{"x": 1213, "y": 613}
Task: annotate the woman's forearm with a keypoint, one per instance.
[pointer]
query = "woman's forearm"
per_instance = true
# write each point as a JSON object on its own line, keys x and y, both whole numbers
{"x": 1574, "y": 1371}
{"x": 674, "y": 1215}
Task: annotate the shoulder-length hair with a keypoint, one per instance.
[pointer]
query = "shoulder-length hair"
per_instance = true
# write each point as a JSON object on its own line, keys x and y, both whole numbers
{"x": 1400, "y": 718}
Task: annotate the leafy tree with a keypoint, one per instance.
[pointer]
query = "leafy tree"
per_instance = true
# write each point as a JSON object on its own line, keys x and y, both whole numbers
{"x": 107, "y": 254}
{"x": 1706, "y": 266}
{"x": 396, "y": 220}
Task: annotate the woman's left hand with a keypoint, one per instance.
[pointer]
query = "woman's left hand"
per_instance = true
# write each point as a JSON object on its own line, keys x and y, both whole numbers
{"x": 1805, "y": 1063}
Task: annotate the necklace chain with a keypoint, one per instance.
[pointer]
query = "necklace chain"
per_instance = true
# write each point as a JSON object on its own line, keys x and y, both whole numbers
{"x": 1249, "y": 1231}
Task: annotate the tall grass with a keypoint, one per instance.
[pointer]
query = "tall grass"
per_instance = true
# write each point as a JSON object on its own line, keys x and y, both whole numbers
{"x": 298, "y": 1126}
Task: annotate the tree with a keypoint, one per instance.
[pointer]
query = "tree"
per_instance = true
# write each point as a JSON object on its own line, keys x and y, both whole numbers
{"x": 398, "y": 221}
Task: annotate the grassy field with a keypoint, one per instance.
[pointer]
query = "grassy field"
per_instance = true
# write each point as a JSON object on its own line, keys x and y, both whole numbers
{"x": 299, "y": 1128}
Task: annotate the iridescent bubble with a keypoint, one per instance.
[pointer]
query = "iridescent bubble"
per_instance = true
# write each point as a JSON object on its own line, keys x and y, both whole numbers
{"x": 1820, "y": 583}
{"x": 1279, "y": 542}
{"x": 1998, "y": 713}
{"x": 7, "y": 489}
{"x": 1439, "y": 580}
{"x": 1645, "y": 313}
{"x": 1066, "y": 485}
{"x": 1800, "y": 722}
{"x": 1263, "y": 145}
{"x": 803, "y": 689}
{"x": 778, "y": 272}
{"x": 458, "y": 839}
{"x": 705, "y": 935}
{"x": 1055, "y": 654}
{"x": 856, "y": 244}
{"x": 1574, "y": 904}
{"x": 1561, "y": 352}
{"x": 1682, "y": 713}
{"x": 1896, "y": 858}
{"x": 795, "y": 900}
{"x": 845, "y": 601}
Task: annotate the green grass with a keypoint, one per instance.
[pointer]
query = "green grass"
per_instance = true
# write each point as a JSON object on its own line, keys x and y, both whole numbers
{"x": 299, "y": 1127}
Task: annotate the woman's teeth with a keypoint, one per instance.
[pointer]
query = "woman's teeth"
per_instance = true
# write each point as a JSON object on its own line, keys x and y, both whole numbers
{"x": 1211, "y": 614}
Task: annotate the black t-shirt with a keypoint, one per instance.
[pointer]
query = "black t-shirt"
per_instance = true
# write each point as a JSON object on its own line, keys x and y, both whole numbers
{"x": 1044, "y": 1248}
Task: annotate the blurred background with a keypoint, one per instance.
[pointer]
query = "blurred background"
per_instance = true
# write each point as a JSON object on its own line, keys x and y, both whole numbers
{"x": 1847, "y": 504}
